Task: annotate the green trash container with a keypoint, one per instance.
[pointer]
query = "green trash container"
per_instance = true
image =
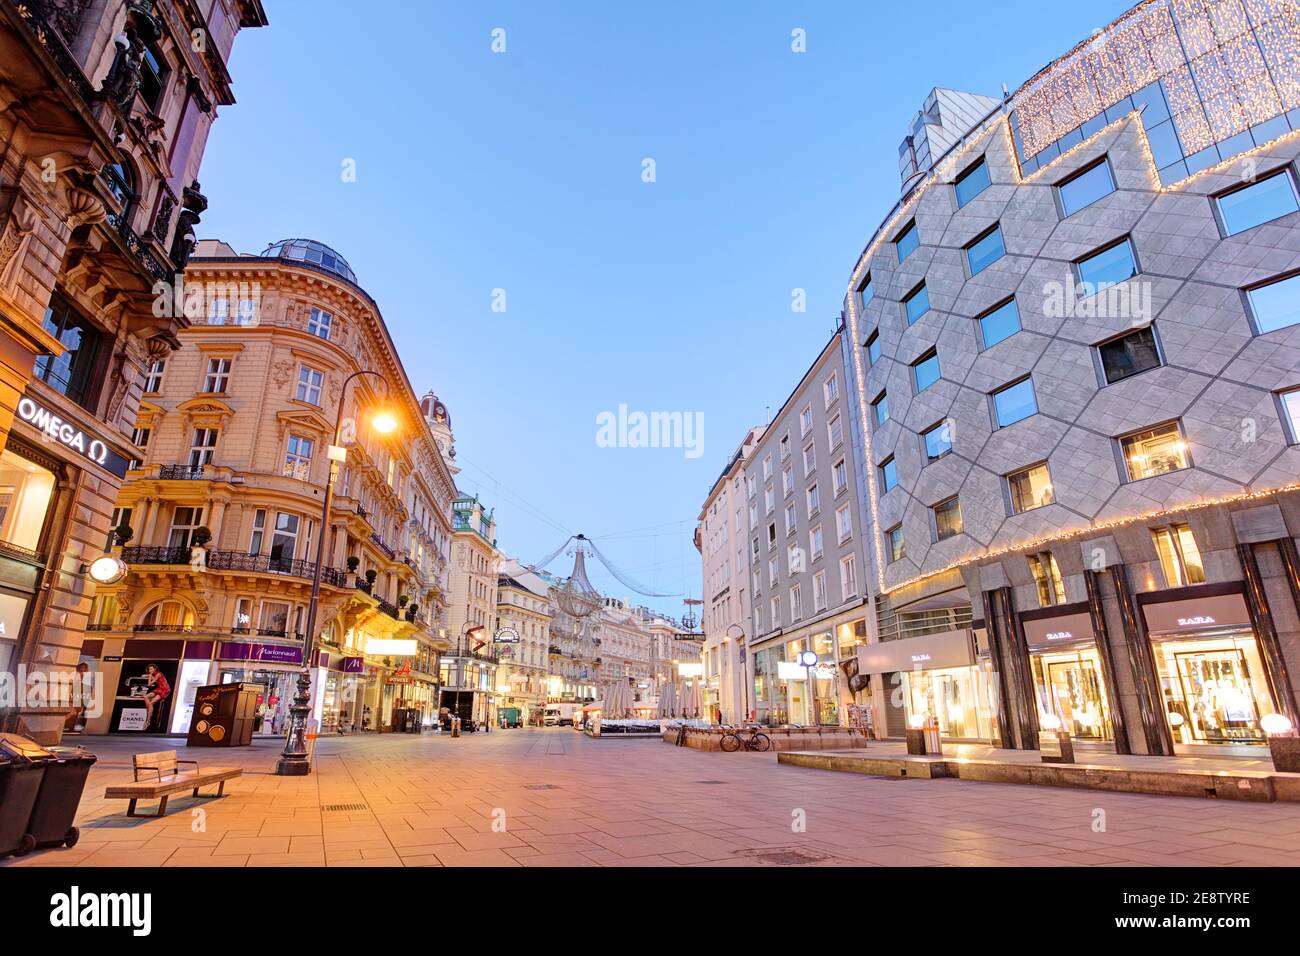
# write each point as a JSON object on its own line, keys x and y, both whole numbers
{"x": 59, "y": 797}
{"x": 22, "y": 769}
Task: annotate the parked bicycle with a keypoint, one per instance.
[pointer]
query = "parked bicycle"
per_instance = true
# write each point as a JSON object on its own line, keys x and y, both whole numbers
{"x": 748, "y": 737}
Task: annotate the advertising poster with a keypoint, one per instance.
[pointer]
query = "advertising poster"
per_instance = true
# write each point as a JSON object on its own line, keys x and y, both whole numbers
{"x": 145, "y": 692}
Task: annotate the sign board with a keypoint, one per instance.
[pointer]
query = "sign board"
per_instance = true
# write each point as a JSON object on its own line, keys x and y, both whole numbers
{"x": 132, "y": 718}
{"x": 265, "y": 653}
{"x": 506, "y": 635}
{"x": 391, "y": 647}
{"x": 1044, "y": 633}
{"x": 928, "y": 652}
{"x": 70, "y": 436}
{"x": 1214, "y": 613}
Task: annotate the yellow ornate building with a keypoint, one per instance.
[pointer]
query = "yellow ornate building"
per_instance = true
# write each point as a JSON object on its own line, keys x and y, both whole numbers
{"x": 224, "y": 508}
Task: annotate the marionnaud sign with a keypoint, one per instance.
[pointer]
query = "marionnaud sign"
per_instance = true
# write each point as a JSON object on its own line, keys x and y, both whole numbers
{"x": 70, "y": 436}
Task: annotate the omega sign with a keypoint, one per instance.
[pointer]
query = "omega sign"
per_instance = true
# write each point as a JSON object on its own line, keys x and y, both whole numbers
{"x": 70, "y": 436}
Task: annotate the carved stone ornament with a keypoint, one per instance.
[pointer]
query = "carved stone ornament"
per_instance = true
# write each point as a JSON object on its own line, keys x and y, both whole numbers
{"x": 17, "y": 221}
{"x": 281, "y": 372}
{"x": 84, "y": 208}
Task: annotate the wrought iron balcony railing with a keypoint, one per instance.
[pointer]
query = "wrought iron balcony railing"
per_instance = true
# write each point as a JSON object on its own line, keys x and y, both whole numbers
{"x": 181, "y": 472}
{"x": 156, "y": 555}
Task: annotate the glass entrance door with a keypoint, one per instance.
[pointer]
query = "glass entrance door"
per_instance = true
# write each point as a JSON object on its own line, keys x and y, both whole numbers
{"x": 1070, "y": 686}
{"x": 952, "y": 696}
{"x": 1215, "y": 690}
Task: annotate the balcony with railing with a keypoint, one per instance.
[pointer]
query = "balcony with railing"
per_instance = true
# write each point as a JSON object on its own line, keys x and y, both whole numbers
{"x": 182, "y": 472}
{"x": 234, "y": 561}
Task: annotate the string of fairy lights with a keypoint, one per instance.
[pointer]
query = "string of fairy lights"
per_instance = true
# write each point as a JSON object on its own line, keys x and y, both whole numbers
{"x": 1226, "y": 65}
{"x": 1275, "y": 33}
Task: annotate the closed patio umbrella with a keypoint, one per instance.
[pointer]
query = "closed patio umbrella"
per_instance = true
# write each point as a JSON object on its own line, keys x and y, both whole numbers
{"x": 617, "y": 700}
{"x": 668, "y": 700}
{"x": 691, "y": 700}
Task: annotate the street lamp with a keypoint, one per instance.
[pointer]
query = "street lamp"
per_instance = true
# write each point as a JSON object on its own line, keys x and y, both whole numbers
{"x": 809, "y": 660}
{"x": 294, "y": 760}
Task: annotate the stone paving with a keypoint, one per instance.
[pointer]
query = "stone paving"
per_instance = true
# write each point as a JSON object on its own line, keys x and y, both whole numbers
{"x": 567, "y": 800}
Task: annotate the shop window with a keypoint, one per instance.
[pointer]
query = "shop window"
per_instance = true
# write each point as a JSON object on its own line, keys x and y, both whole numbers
{"x": 1030, "y": 489}
{"x": 947, "y": 518}
{"x": 26, "y": 491}
{"x": 1179, "y": 557}
{"x": 1129, "y": 354}
{"x": 1047, "y": 576}
{"x": 72, "y": 373}
{"x": 1155, "y": 451}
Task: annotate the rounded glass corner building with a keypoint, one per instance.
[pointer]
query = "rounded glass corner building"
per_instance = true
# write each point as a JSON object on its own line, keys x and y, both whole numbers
{"x": 312, "y": 252}
{"x": 1083, "y": 317}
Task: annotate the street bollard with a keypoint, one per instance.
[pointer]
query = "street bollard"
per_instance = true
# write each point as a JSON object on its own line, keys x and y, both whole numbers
{"x": 455, "y": 726}
{"x": 1054, "y": 743}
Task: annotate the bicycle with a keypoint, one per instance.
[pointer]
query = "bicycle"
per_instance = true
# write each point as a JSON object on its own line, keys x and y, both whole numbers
{"x": 734, "y": 739}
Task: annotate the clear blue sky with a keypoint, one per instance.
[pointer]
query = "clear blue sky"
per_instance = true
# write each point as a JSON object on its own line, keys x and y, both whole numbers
{"x": 523, "y": 171}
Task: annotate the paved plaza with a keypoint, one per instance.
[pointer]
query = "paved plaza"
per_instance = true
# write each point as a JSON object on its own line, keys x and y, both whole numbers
{"x": 550, "y": 797}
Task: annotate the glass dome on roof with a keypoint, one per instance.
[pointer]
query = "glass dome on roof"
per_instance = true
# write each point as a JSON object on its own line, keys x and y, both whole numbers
{"x": 309, "y": 250}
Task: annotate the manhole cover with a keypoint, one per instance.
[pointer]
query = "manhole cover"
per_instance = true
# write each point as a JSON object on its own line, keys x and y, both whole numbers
{"x": 789, "y": 856}
{"x": 344, "y": 807}
{"x": 540, "y": 786}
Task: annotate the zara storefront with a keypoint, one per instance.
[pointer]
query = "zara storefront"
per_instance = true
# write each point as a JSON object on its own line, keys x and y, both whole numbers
{"x": 1072, "y": 671}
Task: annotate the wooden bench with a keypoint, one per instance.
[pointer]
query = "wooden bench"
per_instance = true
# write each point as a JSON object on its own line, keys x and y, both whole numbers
{"x": 158, "y": 776}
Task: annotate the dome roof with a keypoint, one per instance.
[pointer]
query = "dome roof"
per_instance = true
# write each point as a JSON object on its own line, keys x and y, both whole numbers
{"x": 316, "y": 253}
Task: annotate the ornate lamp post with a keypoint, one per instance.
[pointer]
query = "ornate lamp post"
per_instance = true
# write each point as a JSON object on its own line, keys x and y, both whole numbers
{"x": 294, "y": 760}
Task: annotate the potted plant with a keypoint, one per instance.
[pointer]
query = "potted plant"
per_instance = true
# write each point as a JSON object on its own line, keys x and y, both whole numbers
{"x": 371, "y": 574}
{"x": 353, "y": 563}
{"x": 402, "y": 600}
{"x": 412, "y": 612}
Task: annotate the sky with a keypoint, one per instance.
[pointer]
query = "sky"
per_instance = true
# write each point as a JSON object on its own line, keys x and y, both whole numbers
{"x": 537, "y": 272}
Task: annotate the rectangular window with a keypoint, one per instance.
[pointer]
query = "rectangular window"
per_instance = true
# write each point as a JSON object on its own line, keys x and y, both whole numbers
{"x": 787, "y": 480}
{"x": 873, "y": 348}
{"x": 796, "y": 603}
{"x": 297, "y": 458}
{"x": 319, "y": 323}
{"x": 1085, "y": 188}
{"x": 769, "y": 500}
{"x": 284, "y": 539}
{"x": 814, "y": 500}
{"x": 1047, "y": 576}
{"x": 184, "y": 523}
{"x": 1262, "y": 201}
{"x": 843, "y": 524}
{"x": 1179, "y": 556}
{"x": 1129, "y": 354}
{"x": 835, "y": 432}
{"x": 259, "y": 529}
{"x": 785, "y": 447}
{"x": 1275, "y": 305}
{"x": 1014, "y": 402}
{"x": 971, "y": 183}
{"x": 790, "y": 518}
{"x": 805, "y": 421}
{"x": 880, "y": 409}
{"x": 819, "y": 591}
{"x": 153, "y": 376}
{"x": 848, "y": 576}
{"x": 865, "y": 292}
{"x": 809, "y": 459}
{"x": 815, "y": 544}
{"x": 1030, "y": 488}
{"x": 938, "y": 440}
{"x": 985, "y": 251}
{"x": 947, "y": 518}
{"x": 309, "y": 384}
{"x": 1106, "y": 268}
{"x": 771, "y": 534}
{"x": 202, "y": 447}
{"x": 906, "y": 242}
{"x": 218, "y": 376}
{"x": 831, "y": 390}
{"x": 894, "y": 543}
{"x": 925, "y": 370}
{"x": 776, "y": 612}
{"x": 140, "y": 437}
{"x": 772, "y": 568}
{"x": 888, "y": 474}
{"x": 1291, "y": 411}
{"x": 840, "y": 476}
{"x": 120, "y": 516}
{"x": 1001, "y": 323}
{"x": 72, "y": 373}
{"x": 767, "y": 467}
{"x": 1155, "y": 451}
{"x": 916, "y": 304}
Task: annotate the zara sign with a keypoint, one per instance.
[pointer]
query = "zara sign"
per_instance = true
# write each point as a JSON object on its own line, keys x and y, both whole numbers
{"x": 68, "y": 435}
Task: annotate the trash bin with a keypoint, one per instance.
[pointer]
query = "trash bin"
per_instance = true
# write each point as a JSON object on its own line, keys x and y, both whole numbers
{"x": 22, "y": 768}
{"x": 61, "y": 790}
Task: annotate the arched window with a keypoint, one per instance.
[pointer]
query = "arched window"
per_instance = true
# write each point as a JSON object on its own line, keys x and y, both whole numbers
{"x": 167, "y": 616}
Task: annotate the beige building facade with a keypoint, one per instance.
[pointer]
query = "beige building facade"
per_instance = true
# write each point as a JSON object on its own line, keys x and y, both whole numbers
{"x": 222, "y": 511}
{"x": 521, "y": 638}
{"x": 469, "y": 670}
